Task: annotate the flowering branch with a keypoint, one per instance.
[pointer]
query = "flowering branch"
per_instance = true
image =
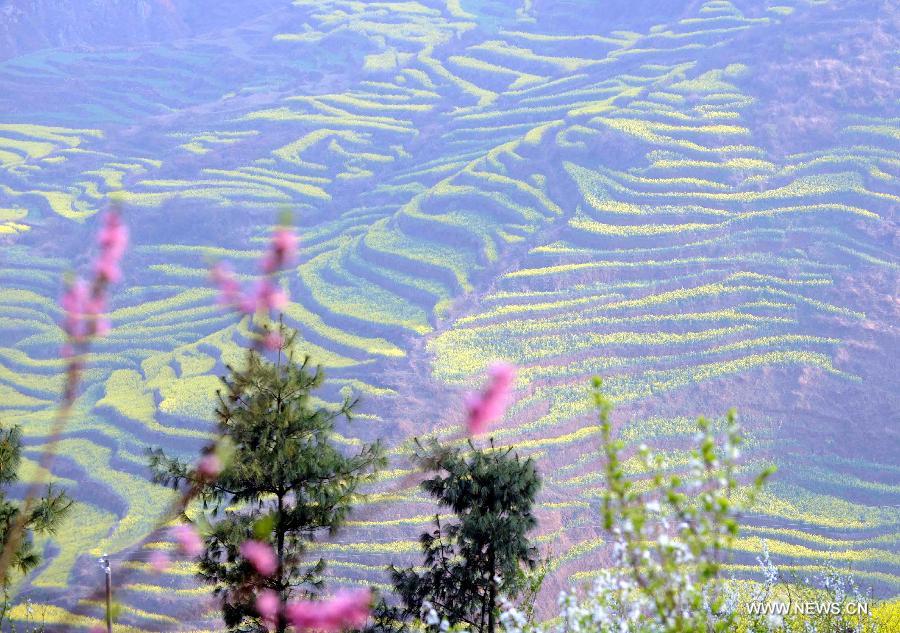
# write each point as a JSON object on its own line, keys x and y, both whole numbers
{"x": 84, "y": 308}
{"x": 83, "y": 305}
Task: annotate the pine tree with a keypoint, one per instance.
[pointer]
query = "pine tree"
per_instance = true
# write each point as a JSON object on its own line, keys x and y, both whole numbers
{"x": 285, "y": 483}
{"x": 472, "y": 561}
{"x": 45, "y": 515}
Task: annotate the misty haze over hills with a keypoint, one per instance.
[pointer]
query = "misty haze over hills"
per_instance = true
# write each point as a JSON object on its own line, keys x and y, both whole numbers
{"x": 696, "y": 200}
{"x": 30, "y": 25}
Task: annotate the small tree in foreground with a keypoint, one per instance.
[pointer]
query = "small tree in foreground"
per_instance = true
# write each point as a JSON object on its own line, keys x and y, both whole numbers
{"x": 671, "y": 531}
{"x": 474, "y": 560}
{"x": 44, "y": 516}
{"x": 284, "y": 482}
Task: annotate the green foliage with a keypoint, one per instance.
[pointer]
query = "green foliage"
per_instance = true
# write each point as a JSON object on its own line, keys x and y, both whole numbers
{"x": 672, "y": 528}
{"x": 44, "y": 514}
{"x": 471, "y": 562}
{"x": 44, "y": 517}
{"x": 284, "y": 482}
{"x": 672, "y": 535}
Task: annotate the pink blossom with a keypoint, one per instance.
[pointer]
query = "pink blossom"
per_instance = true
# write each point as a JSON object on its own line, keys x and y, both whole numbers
{"x": 491, "y": 404}
{"x": 229, "y": 289}
{"x": 209, "y": 466}
{"x": 189, "y": 541}
{"x": 248, "y": 304}
{"x": 113, "y": 240}
{"x": 268, "y": 604}
{"x": 268, "y": 263}
{"x": 75, "y": 297}
{"x": 260, "y": 556}
{"x": 84, "y": 305}
{"x": 273, "y": 341}
{"x": 95, "y": 305}
{"x": 74, "y": 302}
{"x": 102, "y": 326}
{"x": 351, "y": 608}
{"x": 113, "y": 237}
{"x": 346, "y": 610}
{"x": 107, "y": 268}
{"x": 159, "y": 561}
{"x": 84, "y": 311}
{"x": 282, "y": 250}
{"x": 266, "y": 296}
{"x": 269, "y": 296}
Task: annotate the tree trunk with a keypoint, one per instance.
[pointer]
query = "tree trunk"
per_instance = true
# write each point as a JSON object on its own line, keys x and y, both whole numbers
{"x": 279, "y": 548}
{"x": 492, "y": 597}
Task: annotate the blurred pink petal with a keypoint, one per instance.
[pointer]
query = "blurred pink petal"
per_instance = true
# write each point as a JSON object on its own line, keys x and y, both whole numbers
{"x": 75, "y": 296}
{"x": 302, "y": 614}
{"x": 268, "y": 263}
{"x": 268, "y": 604}
{"x": 160, "y": 561}
{"x": 209, "y": 466}
{"x": 95, "y": 304}
{"x": 273, "y": 341}
{"x": 285, "y": 241}
{"x": 491, "y": 404}
{"x": 351, "y": 608}
{"x": 282, "y": 250}
{"x": 247, "y": 305}
{"x": 102, "y": 326}
{"x": 261, "y": 556}
{"x": 113, "y": 240}
{"x": 348, "y": 609}
{"x": 277, "y": 299}
{"x": 113, "y": 236}
{"x": 226, "y": 281}
{"x": 107, "y": 268}
{"x": 268, "y": 296}
{"x": 188, "y": 539}
{"x": 74, "y": 303}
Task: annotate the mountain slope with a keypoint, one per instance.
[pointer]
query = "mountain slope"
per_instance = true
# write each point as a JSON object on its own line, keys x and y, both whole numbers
{"x": 630, "y": 194}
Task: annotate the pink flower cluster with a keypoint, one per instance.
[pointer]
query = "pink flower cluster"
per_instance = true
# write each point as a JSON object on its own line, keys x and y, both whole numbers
{"x": 189, "y": 543}
{"x": 346, "y": 610}
{"x": 282, "y": 250}
{"x": 85, "y": 304}
{"x": 268, "y": 606}
{"x": 265, "y": 296}
{"x": 159, "y": 561}
{"x": 84, "y": 311}
{"x": 209, "y": 466}
{"x": 113, "y": 240}
{"x": 261, "y": 556}
{"x": 491, "y": 404}
{"x": 188, "y": 539}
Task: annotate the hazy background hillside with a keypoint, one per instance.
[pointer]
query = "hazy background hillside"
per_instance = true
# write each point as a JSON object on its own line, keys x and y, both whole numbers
{"x": 696, "y": 200}
{"x": 30, "y": 25}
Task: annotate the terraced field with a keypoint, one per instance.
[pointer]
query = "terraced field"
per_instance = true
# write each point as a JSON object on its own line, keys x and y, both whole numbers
{"x": 647, "y": 194}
